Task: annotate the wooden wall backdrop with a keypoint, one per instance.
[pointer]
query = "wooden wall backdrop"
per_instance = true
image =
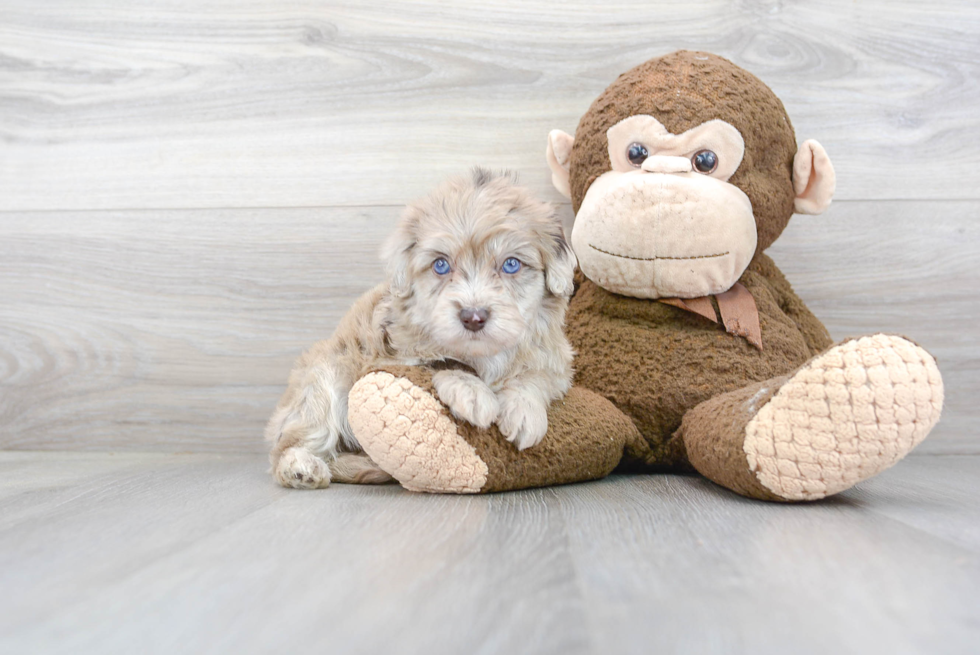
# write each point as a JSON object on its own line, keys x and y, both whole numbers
{"x": 191, "y": 192}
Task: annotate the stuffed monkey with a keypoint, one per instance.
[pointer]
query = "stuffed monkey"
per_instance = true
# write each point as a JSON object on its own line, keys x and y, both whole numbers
{"x": 693, "y": 351}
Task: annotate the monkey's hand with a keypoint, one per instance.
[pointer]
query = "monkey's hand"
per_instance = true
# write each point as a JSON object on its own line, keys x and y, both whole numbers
{"x": 467, "y": 397}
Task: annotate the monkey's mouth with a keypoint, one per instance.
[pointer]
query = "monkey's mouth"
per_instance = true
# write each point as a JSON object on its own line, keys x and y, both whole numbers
{"x": 651, "y": 259}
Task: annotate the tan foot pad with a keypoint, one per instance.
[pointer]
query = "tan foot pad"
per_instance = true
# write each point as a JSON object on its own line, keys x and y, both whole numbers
{"x": 407, "y": 432}
{"x": 847, "y": 415}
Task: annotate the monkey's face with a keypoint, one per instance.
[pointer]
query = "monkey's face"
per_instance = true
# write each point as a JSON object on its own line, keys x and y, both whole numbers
{"x": 665, "y": 222}
{"x": 661, "y": 212}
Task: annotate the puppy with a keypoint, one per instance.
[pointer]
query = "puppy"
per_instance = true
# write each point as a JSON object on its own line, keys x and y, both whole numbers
{"x": 478, "y": 272}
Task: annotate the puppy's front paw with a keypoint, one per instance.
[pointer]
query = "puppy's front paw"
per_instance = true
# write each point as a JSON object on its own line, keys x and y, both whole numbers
{"x": 467, "y": 397}
{"x": 298, "y": 468}
{"x": 523, "y": 420}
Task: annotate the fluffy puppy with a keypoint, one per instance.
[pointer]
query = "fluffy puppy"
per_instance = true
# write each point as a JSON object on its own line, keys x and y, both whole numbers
{"x": 478, "y": 272}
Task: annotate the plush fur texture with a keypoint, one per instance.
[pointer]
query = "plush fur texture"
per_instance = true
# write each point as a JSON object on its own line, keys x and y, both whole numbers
{"x": 516, "y": 364}
{"x": 679, "y": 234}
{"x": 411, "y": 435}
{"x": 798, "y": 419}
{"x": 686, "y": 358}
{"x": 843, "y": 417}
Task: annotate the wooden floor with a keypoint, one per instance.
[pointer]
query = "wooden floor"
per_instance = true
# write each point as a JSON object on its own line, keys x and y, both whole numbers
{"x": 151, "y": 553}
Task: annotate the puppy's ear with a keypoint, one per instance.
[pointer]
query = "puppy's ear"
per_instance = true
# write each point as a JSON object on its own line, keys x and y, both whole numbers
{"x": 559, "y": 261}
{"x": 397, "y": 253}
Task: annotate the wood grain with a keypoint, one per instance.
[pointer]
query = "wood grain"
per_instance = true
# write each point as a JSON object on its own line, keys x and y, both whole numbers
{"x": 175, "y": 330}
{"x": 712, "y": 573}
{"x": 168, "y": 330}
{"x": 255, "y": 104}
{"x": 202, "y": 553}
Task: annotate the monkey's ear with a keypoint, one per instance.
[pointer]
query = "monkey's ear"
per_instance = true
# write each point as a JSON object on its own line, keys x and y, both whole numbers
{"x": 396, "y": 253}
{"x": 558, "y": 154}
{"x": 814, "y": 180}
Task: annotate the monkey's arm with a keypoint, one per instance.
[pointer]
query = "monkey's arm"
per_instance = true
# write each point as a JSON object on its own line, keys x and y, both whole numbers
{"x": 814, "y": 333}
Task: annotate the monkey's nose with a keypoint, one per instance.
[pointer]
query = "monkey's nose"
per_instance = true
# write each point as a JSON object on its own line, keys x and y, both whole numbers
{"x": 473, "y": 319}
{"x": 666, "y": 164}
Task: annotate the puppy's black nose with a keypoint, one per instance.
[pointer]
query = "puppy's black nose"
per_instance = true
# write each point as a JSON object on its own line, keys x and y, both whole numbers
{"x": 473, "y": 319}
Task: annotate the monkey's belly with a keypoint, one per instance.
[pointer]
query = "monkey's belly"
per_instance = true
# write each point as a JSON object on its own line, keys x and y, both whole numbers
{"x": 655, "y": 361}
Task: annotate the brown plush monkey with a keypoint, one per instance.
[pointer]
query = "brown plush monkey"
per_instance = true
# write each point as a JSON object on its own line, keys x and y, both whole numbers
{"x": 693, "y": 350}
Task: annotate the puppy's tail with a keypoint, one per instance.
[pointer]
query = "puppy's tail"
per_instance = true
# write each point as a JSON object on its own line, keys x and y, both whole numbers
{"x": 357, "y": 468}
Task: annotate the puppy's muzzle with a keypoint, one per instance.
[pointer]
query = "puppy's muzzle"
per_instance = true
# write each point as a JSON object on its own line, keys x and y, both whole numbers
{"x": 473, "y": 320}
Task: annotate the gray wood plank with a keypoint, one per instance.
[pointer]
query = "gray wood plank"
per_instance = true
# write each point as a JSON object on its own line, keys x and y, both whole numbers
{"x": 679, "y": 565}
{"x": 175, "y": 330}
{"x": 194, "y": 554}
{"x": 245, "y": 104}
{"x": 201, "y": 553}
{"x": 938, "y": 495}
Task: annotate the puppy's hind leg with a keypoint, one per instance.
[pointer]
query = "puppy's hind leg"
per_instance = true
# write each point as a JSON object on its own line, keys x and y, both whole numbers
{"x": 298, "y": 468}
{"x": 306, "y": 430}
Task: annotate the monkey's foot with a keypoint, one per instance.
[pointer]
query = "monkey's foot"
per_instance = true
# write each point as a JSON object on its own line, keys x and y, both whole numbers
{"x": 843, "y": 417}
{"x": 401, "y": 425}
{"x": 403, "y": 428}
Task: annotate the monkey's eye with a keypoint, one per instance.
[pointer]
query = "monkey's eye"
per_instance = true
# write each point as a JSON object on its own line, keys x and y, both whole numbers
{"x": 511, "y": 265}
{"x": 441, "y": 266}
{"x": 637, "y": 154}
{"x": 705, "y": 161}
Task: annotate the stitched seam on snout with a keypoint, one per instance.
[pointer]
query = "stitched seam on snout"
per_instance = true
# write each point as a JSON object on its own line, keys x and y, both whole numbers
{"x": 650, "y": 259}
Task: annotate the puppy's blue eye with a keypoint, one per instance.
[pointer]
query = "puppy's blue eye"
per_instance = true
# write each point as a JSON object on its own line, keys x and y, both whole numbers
{"x": 441, "y": 266}
{"x": 511, "y": 265}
